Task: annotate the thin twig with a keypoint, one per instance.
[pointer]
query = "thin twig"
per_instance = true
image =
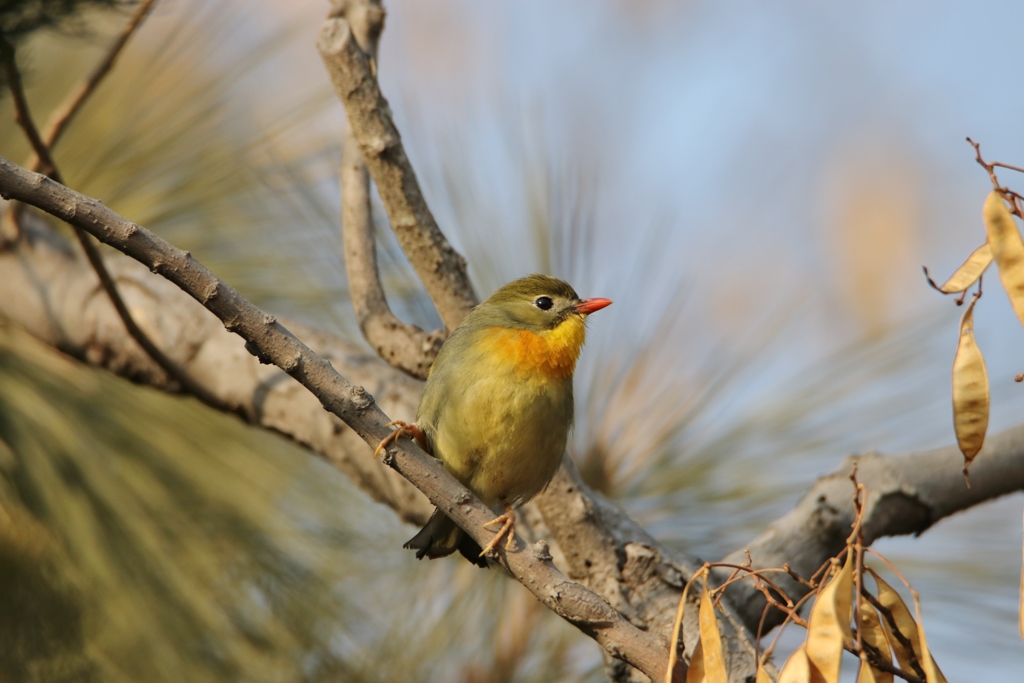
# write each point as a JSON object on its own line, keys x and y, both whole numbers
{"x": 793, "y": 575}
{"x": 771, "y": 648}
{"x": 62, "y": 115}
{"x": 1007, "y": 193}
{"x": 755, "y": 573}
{"x": 859, "y": 494}
{"x": 1009, "y": 166}
{"x": 772, "y": 602}
{"x": 22, "y": 113}
{"x": 23, "y": 116}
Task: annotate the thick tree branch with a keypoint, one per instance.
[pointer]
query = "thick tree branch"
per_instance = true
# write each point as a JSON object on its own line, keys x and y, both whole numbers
{"x": 404, "y": 346}
{"x": 441, "y": 269}
{"x": 272, "y": 343}
{"x": 905, "y": 495}
{"x": 613, "y": 555}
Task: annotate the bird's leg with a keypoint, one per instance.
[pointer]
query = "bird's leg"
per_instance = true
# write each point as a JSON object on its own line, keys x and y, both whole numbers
{"x": 508, "y": 526}
{"x": 404, "y": 429}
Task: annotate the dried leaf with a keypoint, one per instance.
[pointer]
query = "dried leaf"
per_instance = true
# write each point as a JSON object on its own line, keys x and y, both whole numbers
{"x": 1007, "y": 249}
{"x": 797, "y": 668}
{"x": 968, "y": 272}
{"x": 828, "y": 627}
{"x": 711, "y": 639}
{"x": 872, "y": 633}
{"x": 892, "y": 601}
{"x": 970, "y": 391}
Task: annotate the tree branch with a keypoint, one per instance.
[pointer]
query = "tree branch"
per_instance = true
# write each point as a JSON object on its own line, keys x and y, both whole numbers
{"x": 404, "y": 346}
{"x": 614, "y": 556}
{"x": 267, "y": 339}
{"x": 23, "y": 116}
{"x": 441, "y": 269}
{"x": 905, "y": 495}
{"x": 51, "y": 291}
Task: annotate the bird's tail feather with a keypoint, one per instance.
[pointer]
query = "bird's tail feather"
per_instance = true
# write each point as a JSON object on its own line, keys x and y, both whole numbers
{"x": 441, "y": 537}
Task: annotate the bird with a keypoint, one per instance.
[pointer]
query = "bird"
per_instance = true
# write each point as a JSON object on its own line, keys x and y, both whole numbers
{"x": 497, "y": 406}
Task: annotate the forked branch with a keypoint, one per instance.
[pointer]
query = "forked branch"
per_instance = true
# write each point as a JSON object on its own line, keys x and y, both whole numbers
{"x": 405, "y": 346}
{"x": 441, "y": 269}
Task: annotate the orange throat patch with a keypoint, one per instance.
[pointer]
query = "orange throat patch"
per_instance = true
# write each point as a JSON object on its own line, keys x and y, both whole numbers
{"x": 552, "y": 354}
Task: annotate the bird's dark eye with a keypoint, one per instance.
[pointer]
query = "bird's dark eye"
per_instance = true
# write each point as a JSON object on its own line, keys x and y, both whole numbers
{"x": 544, "y": 303}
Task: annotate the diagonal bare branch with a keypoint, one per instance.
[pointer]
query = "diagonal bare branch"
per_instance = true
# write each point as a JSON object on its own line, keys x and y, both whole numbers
{"x": 269, "y": 341}
{"x": 441, "y": 269}
{"x": 50, "y": 290}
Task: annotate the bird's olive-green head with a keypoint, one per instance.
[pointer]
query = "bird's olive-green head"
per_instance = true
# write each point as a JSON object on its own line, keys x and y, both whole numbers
{"x": 535, "y": 302}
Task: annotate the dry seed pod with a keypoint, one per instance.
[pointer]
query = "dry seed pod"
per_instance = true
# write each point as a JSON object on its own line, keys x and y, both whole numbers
{"x": 762, "y": 675}
{"x": 1007, "y": 249}
{"x": 797, "y": 668}
{"x": 867, "y": 674}
{"x": 931, "y": 671}
{"x": 713, "y": 659}
{"x": 828, "y": 627}
{"x": 695, "y": 674}
{"x": 970, "y": 391}
{"x": 968, "y": 272}
{"x": 872, "y": 634}
{"x": 892, "y": 601}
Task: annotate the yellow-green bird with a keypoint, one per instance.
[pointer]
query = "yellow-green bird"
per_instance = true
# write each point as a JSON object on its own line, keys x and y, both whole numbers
{"x": 498, "y": 404}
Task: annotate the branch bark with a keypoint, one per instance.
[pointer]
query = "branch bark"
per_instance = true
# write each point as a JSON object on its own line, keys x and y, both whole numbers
{"x": 271, "y": 342}
{"x": 402, "y": 345}
{"x": 905, "y": 495}
{"x": 613, "y": 555}
{"x": 50, "y": 290}
{"x": 441, "y": 269}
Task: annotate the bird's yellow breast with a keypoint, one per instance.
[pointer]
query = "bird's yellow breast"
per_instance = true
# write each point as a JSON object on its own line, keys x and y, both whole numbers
{"x": 549, "y": 354}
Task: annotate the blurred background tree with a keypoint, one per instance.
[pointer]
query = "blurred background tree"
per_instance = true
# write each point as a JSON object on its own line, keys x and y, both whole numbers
{"x": 755, "y": 186}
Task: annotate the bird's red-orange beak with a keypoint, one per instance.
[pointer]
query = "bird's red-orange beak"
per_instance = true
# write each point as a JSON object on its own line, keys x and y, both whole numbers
{"x": 588, "y": 306}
